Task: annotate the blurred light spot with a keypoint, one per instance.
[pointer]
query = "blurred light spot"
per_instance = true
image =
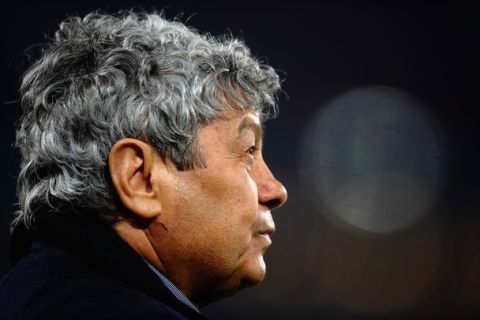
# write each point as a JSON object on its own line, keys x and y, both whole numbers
{"x": 373, "y": 156}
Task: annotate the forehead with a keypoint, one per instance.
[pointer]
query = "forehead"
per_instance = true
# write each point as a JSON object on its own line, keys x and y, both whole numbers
{"x": 250, "y": 122}
{"x": 239, "y": 120}
{"x": 230, "y": 125}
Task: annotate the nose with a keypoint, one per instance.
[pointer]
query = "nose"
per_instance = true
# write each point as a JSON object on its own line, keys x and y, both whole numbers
{"x": 271, "y": 192}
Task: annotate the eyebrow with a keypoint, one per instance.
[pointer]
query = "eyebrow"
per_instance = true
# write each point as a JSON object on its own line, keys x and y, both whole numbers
{"x": 248, "y": 123}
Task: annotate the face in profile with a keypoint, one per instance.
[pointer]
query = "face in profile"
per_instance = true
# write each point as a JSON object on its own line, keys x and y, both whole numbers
{"x": 216, "y": 219}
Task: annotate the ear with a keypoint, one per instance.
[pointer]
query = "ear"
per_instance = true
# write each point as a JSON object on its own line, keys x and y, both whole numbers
{"x": 131, "y": 162}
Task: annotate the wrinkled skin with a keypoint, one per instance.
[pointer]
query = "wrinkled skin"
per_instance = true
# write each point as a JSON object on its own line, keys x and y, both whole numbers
{"x": 215, "y": 222}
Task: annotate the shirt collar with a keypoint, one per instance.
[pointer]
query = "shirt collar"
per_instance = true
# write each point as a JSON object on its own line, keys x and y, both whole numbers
{"x": 173, "y": 289}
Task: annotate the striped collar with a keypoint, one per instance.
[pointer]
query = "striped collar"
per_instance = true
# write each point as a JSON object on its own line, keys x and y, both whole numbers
{"x": 173, "y": 289}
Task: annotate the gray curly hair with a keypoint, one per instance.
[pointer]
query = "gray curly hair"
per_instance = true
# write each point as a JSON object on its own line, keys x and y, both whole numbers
{"x": 108, "y": 77}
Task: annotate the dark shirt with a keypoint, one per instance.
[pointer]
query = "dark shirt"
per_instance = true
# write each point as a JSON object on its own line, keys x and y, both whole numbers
{"x": 75, "y": 267}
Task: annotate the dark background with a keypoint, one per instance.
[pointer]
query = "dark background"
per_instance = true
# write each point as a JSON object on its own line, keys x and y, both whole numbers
{"x": 321, "y": 268}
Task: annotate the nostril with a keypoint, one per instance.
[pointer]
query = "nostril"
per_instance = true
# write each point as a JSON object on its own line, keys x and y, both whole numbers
{"x": 273, "y": 203}
{"x": 272, "y": 195}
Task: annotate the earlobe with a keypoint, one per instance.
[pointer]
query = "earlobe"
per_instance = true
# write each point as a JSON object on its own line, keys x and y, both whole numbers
{"x": 131, "y": 163}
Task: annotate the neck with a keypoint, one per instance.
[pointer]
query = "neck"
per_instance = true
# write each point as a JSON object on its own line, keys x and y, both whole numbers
{"x": 137, "y": 239}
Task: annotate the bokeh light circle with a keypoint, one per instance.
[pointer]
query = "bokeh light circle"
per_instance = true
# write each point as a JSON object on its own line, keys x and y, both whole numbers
{"x": 374, "y": 158}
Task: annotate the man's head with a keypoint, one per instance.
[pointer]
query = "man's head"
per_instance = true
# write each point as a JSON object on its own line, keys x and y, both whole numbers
{"x": 157, "y": 130}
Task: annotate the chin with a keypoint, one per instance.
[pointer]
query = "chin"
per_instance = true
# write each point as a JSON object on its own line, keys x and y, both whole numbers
{"x": 253, "y": 273}
{"x": 256, "y": 272}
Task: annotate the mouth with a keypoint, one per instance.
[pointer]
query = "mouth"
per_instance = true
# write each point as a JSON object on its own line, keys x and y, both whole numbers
{"x": 265, "y": 237}
{"x": 265, "y": 233}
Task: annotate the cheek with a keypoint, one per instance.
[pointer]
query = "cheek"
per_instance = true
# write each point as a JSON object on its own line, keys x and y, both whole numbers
{"x": 239, "y": 203}
{"x": 222, "y": 205}
{"x": 230, "y": 191}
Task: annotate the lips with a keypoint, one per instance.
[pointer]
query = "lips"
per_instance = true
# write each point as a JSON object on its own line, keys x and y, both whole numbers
{"x": 267, "y": 225}
{"x": 267, "y": 229}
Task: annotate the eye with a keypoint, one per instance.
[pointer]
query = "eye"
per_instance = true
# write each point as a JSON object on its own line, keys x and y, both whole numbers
{"x": 251, "y": 150}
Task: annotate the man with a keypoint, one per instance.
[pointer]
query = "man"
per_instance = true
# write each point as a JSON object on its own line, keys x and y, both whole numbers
{"x": 143, "y": 192}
